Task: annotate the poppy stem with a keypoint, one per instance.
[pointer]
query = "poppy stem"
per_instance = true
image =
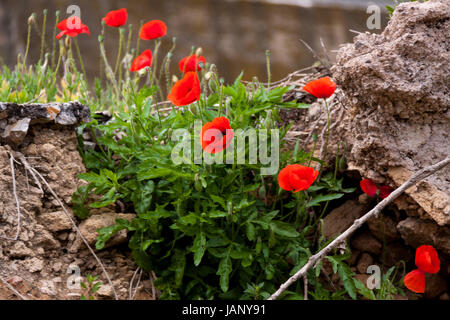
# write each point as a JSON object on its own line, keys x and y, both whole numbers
{"x": 80, "y": 58}
{"x": 138, "y": 40}
{"x": 328, "y": 130}
{"x": 54, "y": 40}
{"x": 44, "y": 26}
{"x": 299, "y": 196}
{"x": 130, "y": 34}
{"x": 61, "y": 49}
{"x": 108, "y": 69}
{"x": 28, "y": 45}
{"x": 154, "y": 77}
{"x": 269, "y": 73}
{"x": 121, "y": 39}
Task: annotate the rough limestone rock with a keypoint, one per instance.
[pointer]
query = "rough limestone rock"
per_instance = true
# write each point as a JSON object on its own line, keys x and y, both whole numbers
{"x": 341, "y": 218}
{"x": 15, "y": 119}
{"x": 90, "y": 226}
{"x": 396, "y": 95}
{"x": 417, "y": 232}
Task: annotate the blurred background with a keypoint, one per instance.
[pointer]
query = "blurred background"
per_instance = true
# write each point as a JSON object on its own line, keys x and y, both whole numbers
{"x": 234, "y": 34}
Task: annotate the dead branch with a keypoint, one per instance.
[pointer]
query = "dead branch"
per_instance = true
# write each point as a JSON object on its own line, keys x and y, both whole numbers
{"x": 131, "y": 293}
{"x": 10, "y": 287}
{"x": 313, "y": 260}
{"x": 305, "y": 288}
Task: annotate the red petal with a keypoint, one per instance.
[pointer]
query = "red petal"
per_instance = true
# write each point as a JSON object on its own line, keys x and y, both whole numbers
{"x": 186, "y": 91}
{"x": 116, "y": 18}
{"x": 297, "y": 177}
{"x": 427, "y": 259}
{"x": 415, "y": 281}
{"x": 368, "y": 187}
{"x": 144, "y": 60}
{"x": 153, "y": 29}
{"x": 71, "y": 27}
{"x": 62, "y": 33}
{"x": 218, "y": 139}
{"x": 321, "y": 88}
{"x": 284, "y": 179}
{"x": 191, "y": 63}
{"x": 385, "y": 191}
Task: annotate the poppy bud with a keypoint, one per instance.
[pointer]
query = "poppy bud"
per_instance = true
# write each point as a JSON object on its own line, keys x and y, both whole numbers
{"x": 268, "y": 121}
{"x": 32, "y": 19}
{"x": 193, "y": 109}
{"x": 62, "y": 48}
{"x": 198, "y": 184}
{"x": 208, "y": 75}
{"x": 143, "y": 71}
{"x": 199, "y": 52}
{"x": 212, "y": 85}
{"x": 230, "y": 208}
{"x": 174, "y": 79}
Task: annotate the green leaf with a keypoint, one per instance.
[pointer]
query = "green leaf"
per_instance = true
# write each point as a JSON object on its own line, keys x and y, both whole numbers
{"x": 104, "y": 234}
{"x": 178, "y": 265}
{"x": 147, "y": 243}
{"x": 284, "y": 229}
{"x": 363, "y": 290}
{"x": 225, "y": 268}
{"x": 323, "y": 198}
{"x": 250, "y": 231}
{"x": 79, "y": 199}
{"x": 347, "y": 278}
{"x": 199, "y": 248}
{"x": 219, "y": 200}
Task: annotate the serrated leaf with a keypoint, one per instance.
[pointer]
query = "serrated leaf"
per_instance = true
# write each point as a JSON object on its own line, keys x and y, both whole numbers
{"x": 224, "y": 271}
{"x": 250, "y": 231}
{"x": 284, "y": 229}
{"x": 347, "y": 278}
{"x": 178, "y": 266}
{"x": 323, "y": 198}
{"x": 199, "y": 248}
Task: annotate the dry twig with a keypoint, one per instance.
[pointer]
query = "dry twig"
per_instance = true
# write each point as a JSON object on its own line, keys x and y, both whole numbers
{"x": 313, "y": 260}
{"x": 131, "y": 293}
{"x": 10, "y": 287}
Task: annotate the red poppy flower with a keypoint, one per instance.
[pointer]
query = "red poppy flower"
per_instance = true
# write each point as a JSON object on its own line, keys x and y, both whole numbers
{"x": 369, "y": 187}
{"x": 385, "y": 191}
{"x": 144, "y": 60}
{"x": 427, "y": 259}
{"x": 297, "y": 177}
{"x": 71, "y": 27}
{"x": 415, "y": 281}
{"x": 116, "y": 18}
{"x": 321, "y": 88}
{"x": 153, "y": 29}
{"x": 217, "y": 135}
{"x": 186, "y": 91}
{"x": 191, "y": 63}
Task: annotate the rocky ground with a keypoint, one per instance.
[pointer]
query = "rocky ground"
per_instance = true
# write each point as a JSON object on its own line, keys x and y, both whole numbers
{"x": 43, "y": 262}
